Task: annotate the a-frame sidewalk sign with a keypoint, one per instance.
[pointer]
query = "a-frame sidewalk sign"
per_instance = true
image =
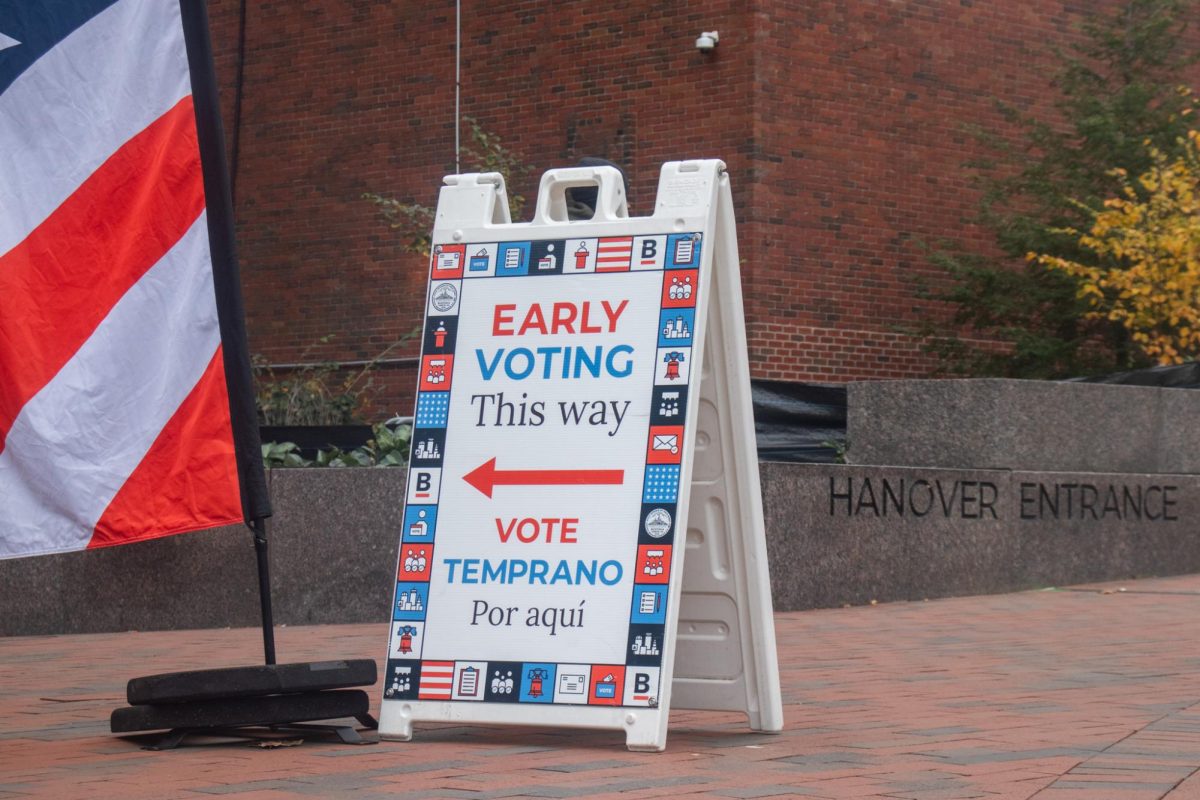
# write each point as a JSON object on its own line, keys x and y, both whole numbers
{"x": 584, "y": 390}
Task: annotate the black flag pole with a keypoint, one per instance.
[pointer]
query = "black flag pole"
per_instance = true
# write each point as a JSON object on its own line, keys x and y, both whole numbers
{"x": 256, "y": 503}
{"x": 238, "y": 700}
{"x": 259, "y": 526}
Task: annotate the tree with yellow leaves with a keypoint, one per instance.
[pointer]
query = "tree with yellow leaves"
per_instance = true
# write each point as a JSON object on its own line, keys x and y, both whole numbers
{"x": 1147, "y": 240}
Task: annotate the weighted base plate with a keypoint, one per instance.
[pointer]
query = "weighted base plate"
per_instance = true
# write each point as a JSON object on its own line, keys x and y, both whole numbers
{"x": 256, "y": 681}
{"x": 275, "y": 733}
{"x": 242, "y": 712}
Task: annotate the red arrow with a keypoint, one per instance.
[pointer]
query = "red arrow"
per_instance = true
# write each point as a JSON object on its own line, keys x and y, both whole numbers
{"x": 486, "y": 476}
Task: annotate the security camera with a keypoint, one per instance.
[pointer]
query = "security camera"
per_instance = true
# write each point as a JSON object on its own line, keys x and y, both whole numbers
{"x": 707, "y": 41}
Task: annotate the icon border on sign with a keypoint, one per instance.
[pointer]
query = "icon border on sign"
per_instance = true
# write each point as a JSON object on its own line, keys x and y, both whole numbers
{"x": 683, "y": 366}
{"x": 438, "y": 274}
{"x": 673, "y": 240}
{"x": 671, "y": 317}
{"x": 549, "y": 685}
{"x": 656, "y": 402}
{"x": 569, "y": 699}
{"x": 643, "y": 557}
{"x": 410, "y": 615}
{"x": 571, "y": 246}
{"x": 661, "y": 484}
{"x": 488, "y": 271}
{"x": 444, "y": 299}
{"x": 421, "y": 576}
{"x": 648, "y": 660}
{"x": 419, "y": 437}
{"x": 655, "y": 509}
{"x": 435, "y": 486}
{"x": 412, "y": 514}
{"x": 655, "y": 674}
{"x": 522, "y": 268}
{"x": 440, "y": 664}
{"x": 515, "y": 695}
{"x": 656, "y": 455}
{"x": 432, "y": 417}
{"x": 662, "y": 467}
{"x": 543, "y": 248}
{"x": 427, "y": 384}
{"x": 660, "y": 259}
{"x": 618, "y": 265}
{"x": 596, "y": 684}
{"x": 459, "y": 666}
{"x": 656, "y": 617}
{"x": 414, "y": 667}
{"x": 429, "y": 345}
{"x": 418, "y": 638}
{"x": 669, "y": 278}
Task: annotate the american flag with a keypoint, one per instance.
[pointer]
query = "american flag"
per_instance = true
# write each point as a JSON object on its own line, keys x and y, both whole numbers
{"x": 614, "y": 253}
{"x": 125, "y": 404}
{"x": 437, "y": 679}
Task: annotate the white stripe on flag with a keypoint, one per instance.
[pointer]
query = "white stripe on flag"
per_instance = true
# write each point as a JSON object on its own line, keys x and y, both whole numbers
{"x": 76, "y": 105}
{"x": 76, "y": 442}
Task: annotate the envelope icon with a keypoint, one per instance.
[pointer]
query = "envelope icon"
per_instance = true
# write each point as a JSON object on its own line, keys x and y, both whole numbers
{"x": 669, "y": 442}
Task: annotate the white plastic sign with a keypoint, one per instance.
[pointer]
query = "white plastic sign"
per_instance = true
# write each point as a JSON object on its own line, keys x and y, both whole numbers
{"x": 540, "y": 573}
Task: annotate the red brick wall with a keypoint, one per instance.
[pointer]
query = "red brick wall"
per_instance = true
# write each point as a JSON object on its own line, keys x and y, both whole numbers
{"x": 860, "y": 140}
{"x": 842, "y": 124}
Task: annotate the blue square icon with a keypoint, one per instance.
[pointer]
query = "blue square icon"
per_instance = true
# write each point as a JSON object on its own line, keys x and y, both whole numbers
{"x": 675, "y": 327}
{"x": 683, "y": 250}
{"x": 433, "y": 409}
{"x": 537, "y": 683}
{"x": 662, "y": 483}
{"x": 649, "y": 603}
{"x": 410, "y": 602}
{"x": 513, "y": 259}
{"x": 420, "y": 523}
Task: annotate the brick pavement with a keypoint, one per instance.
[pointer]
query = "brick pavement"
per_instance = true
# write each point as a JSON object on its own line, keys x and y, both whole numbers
{"x": 1082, "y": 694}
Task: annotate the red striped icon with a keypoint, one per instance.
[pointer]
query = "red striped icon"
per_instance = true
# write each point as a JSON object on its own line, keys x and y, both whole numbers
{"x": 437, "y": 679}
{"x": 614, "y": 253}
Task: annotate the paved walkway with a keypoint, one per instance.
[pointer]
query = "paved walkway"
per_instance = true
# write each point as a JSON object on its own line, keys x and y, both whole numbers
{"x": 1090, "y": 693}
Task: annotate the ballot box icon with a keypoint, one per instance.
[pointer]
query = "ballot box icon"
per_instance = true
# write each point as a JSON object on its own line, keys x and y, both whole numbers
{"x": 606, "y": 687}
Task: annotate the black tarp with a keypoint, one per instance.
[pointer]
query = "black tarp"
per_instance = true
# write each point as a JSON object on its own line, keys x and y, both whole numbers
{"x": 1176, "y": 376}
{"x": 806, "y": 422}
{"x": 799, "y": 422}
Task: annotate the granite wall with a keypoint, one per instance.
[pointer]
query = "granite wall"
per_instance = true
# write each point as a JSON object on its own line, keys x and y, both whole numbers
{"x": 333, "y": 556}
{"x": 835, "y": 535}
{"x": 849, "y": 534}
{"x": 1031, "y": 425}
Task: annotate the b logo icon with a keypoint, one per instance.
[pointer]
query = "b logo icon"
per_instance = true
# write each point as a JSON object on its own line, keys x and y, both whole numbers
{"x": 641, "y": 686}
{"x": 423, "y": 485}
{"x": 649, "y": 248}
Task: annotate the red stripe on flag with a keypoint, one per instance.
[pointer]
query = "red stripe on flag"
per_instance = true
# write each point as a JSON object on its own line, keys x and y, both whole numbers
{"x": 188, "y": 479}
{"x": 64, "y": 278}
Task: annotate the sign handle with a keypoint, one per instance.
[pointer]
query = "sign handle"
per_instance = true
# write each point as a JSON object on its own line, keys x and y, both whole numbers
{"x": 552, "y": 194}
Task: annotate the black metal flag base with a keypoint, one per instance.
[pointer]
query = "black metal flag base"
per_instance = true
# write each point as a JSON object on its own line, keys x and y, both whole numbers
{"x": 251, "y": 702}
{"x": 242, "y": 701}
{"x": 249, "y": 717}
